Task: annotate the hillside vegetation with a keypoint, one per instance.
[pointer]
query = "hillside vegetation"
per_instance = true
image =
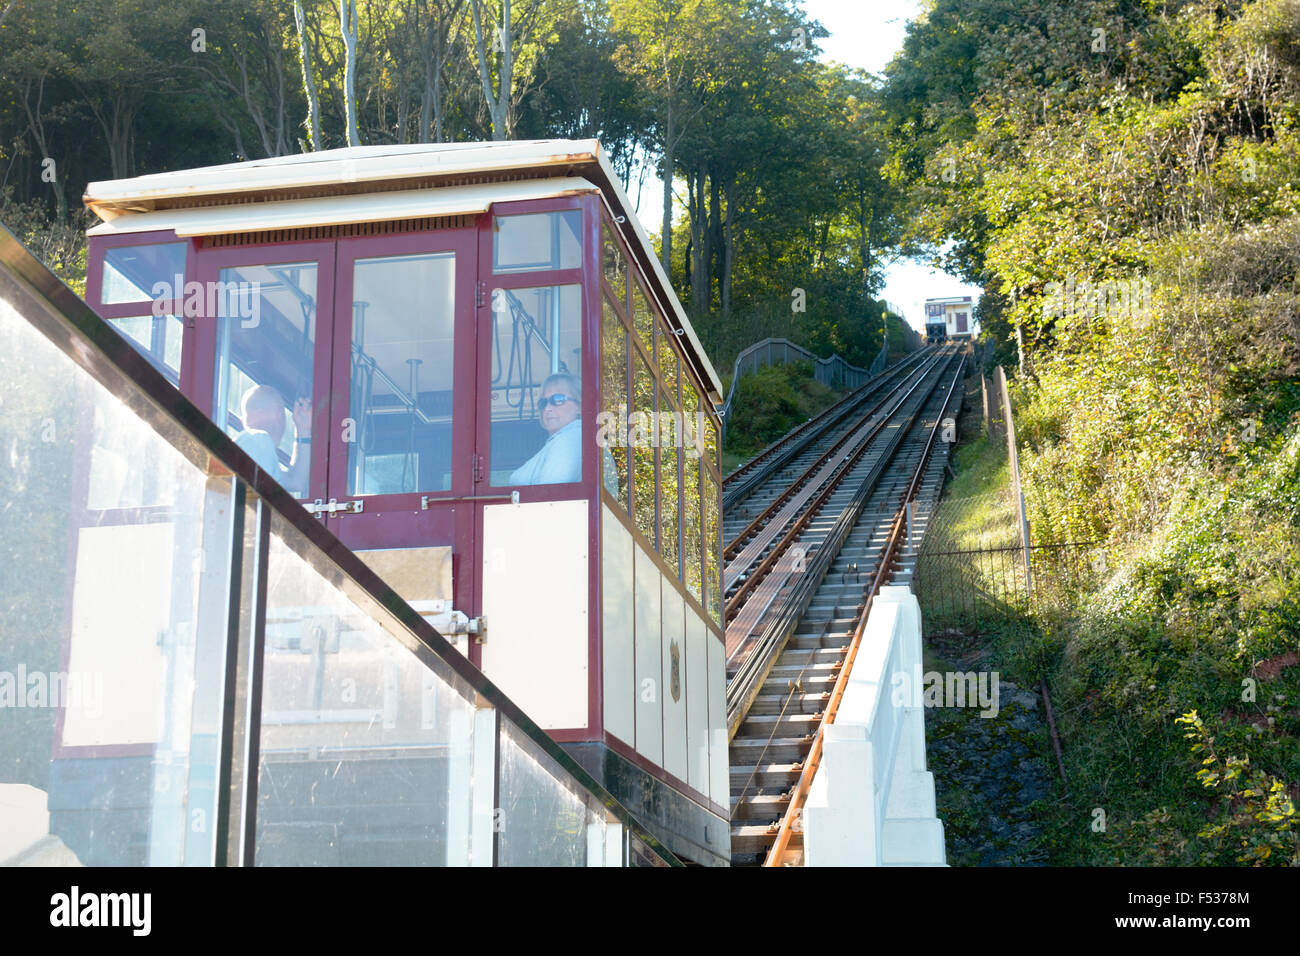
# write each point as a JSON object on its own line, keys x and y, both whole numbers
{"x": 1123, "y": 178}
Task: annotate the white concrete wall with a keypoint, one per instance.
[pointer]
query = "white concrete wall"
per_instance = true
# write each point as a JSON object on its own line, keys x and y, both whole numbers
{"x": 871, "y": 802}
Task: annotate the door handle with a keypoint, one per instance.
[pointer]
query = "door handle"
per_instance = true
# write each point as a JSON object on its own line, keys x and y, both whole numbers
{"x": 320, "y": 508}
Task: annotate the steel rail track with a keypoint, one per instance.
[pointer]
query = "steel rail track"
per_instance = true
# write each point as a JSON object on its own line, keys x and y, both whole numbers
{"x": 780, "y": 854}
{"x": 748, "y": 477}
{"x": 751, "y": 547}
{"x": 742, "y": 583}
{"x": 788, "y": 679}
{"x": 754, "y": 636}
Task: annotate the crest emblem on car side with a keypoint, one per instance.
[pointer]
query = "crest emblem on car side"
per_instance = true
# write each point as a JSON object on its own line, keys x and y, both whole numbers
{"x": 675, "y": 684}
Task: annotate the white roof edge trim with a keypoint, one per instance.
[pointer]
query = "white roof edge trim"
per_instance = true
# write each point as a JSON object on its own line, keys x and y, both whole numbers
{"x": 354, "y": 164}
{"x": 341, "y": 210}
{"x": 675, "y": 306}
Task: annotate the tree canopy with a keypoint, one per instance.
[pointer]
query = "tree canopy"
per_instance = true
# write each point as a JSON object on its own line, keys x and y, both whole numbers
{"x": 775, "y": 216}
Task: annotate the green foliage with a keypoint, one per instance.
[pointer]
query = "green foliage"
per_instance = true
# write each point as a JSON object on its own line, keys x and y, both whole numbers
{"x": 770, "y": 402}
{"x": 1169, "y": 427}
{"x": 1258, "y": 816}
{"x": 61, "y": 247}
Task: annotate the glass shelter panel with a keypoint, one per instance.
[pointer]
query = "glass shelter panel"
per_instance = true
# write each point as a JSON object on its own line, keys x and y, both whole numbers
{"x": 111, "y": 627}
{"x": 266, "y": 342}
{"x": 536, "y": 242}
{"x": 401, "y": 400}
{"x": 366, "y": 754}
{"x": 143, "y": 273}
{"x": 543, "y": 819}
{"x": 536, "y": 395}
{"x": 125, "y": 629}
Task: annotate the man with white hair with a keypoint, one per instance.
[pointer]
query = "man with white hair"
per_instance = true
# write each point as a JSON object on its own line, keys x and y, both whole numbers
{"x": 264, "y": 425}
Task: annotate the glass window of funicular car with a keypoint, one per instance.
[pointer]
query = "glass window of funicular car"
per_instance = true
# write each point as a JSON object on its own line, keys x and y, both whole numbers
{"x": 640, "y": 437}
{"x": 536, "y": 434}
{"x": 537, "y": 242}
{"x": 672, "y": 460}
{"x": 141, "y": 295}
{"x": 692, "y": 528}
{"x": 668, "y": 436}
{"x": 611, "y": 432}
{"x": 536, "y": 408}
{"x": 401, "y": 370}
{"x": 141, "y": 273}
{"x": 265, "y": 357}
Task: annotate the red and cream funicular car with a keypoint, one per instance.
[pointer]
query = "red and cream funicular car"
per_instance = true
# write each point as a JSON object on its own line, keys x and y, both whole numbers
{"x": 466, "y": 361}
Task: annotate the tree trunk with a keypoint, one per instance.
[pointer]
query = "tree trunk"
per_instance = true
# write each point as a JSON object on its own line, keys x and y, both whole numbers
{"x": 670, "y": 162}
{"x": 865, "y": 219}
{"x": 37, "y": 127}
{"x": 728, "y": 249}
{"x": 281, "y": 136}
{"x": 498, "y": 101}
{"x": 348, "y": 26}
{"x": 699, "y": 273}
{"x": 713, "y": 239}
{"x": 308, "y": 79}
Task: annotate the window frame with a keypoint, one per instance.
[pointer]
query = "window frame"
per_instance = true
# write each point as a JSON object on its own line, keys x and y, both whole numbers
{"x": 632, "y": 278}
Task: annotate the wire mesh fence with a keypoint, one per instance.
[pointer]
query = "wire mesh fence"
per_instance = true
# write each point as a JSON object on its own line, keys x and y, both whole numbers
{"x": 972, "y": 566}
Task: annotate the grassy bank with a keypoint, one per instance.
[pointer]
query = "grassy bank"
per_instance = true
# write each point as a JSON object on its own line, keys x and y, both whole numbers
{"x": 770, "y": 402}
{"x": 1173, "y": 668}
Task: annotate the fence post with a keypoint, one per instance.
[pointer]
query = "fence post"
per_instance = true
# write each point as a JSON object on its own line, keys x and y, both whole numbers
{"x": 1014, "y": 460}
{"x": 984, "y": 394}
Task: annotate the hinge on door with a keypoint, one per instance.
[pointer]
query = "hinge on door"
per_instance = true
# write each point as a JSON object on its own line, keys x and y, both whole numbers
{"x": 478, "y": 468}
{"x": 480, "y": 293}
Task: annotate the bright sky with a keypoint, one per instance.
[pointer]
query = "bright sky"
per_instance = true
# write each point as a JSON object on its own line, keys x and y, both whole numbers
{"x": 864, "y": 34}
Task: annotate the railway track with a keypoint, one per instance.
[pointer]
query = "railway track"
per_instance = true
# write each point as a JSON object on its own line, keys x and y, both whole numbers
{"x": 748, "y": 489}
{"x": 801, "y": 577}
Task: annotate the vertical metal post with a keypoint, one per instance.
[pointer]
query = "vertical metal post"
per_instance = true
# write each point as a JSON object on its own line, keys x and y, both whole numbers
{"x": 253, "y": 688}
{"x": 1014, "y": 457}
{"x": 984, "y": 394}
{"x": 226, "y": 821}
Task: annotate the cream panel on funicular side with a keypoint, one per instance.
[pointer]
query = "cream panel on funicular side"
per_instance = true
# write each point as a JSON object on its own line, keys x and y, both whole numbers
{"x": 697, "y": 702}
{"x": 618, "y": 629}
{"x": 649, "y": 661}
{"x": 535, "y": 602}
{"x": 674, "y": 671}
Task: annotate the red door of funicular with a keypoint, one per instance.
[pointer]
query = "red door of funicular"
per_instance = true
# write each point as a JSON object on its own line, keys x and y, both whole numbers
{"x": 401, "y": 414}
{"x": 346, "y": 368}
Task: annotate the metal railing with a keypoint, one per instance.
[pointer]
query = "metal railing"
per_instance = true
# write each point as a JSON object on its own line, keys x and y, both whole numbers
{"x": 833, "y": 371}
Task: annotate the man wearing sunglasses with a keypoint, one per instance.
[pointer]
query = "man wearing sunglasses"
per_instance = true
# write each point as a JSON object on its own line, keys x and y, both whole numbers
{"x": 560, "y": 459}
